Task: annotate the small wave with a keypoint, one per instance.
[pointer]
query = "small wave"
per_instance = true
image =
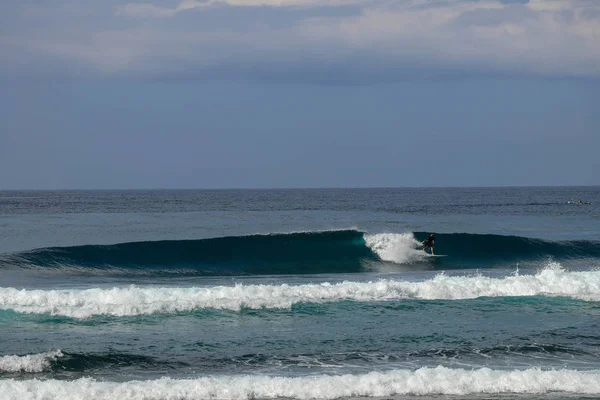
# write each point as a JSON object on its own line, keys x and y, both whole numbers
{"x": 29, "y": 363}
{"x": 130, "y": 301}
{"x": 423, "y": 381}
{"x": 89, "y": 362}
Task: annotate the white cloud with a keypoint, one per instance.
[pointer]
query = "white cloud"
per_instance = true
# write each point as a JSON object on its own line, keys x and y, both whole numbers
{"x": 383, "y": 38}
{"x": 540, "y": 42}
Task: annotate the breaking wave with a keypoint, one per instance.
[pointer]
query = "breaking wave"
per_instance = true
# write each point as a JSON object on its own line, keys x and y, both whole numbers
{"x": 553, "y": 281}
{"x": 344, "y": 251}
{"x": 29, "y": 363}
{"x": 423, "y": 381}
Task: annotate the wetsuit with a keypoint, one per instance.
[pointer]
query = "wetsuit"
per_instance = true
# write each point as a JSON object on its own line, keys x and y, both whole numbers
{"x": 429, "y": 242}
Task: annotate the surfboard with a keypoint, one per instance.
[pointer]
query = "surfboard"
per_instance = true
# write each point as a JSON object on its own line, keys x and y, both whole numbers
{"x": 436, "y": 255}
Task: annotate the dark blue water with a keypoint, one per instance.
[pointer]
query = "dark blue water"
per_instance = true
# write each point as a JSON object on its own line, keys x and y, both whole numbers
{"x": 300, "y": 293}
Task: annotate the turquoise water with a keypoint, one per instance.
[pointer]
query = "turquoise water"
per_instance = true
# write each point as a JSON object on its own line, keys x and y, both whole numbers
{"x": 300, "y": 294}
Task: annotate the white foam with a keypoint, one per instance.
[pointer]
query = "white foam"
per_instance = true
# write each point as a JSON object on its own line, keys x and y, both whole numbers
{"x": 28, "y": 363}
{"x": 400, "y": 248}
{"x": 133, "y": 300}
{"x": 424, "y": 381}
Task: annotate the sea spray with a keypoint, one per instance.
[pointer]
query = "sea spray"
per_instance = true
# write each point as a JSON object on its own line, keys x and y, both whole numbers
{"x": 399, "y": 248}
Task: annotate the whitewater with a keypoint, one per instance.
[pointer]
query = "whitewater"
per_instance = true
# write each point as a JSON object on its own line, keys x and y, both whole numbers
{"x": 552, "y": 281}
{"x": 424, "y": 381}
{"x": 29, "y": 363}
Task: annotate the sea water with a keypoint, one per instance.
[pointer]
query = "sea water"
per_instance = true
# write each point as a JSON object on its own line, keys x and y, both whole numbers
{"x": 300, "y": 294}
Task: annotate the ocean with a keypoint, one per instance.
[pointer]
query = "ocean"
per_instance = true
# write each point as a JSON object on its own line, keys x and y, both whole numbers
{"x": 300, "y": 294}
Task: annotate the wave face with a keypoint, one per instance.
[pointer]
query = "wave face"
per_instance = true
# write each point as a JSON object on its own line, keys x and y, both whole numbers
{"x": 131, "y": 301}
{"x": 294, "y": 253}
{"x": 73, "y": 364}
{"x": 297, "y": 253}
{"x": 64, "y": 361}
{"x": 423, "y": 381}
{"x": 464, "y": 246}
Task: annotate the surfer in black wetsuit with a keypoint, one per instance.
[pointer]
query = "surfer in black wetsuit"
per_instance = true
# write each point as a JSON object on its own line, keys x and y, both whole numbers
{"x": 429, "y": 242}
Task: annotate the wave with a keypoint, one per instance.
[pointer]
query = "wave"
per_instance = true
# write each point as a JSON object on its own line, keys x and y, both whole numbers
{"x": 63, "y": 362}
{"x": 423, "y": 381}
{"x": 553, "y": 281}
{"x": 29, "y": 363}
{"x": 485, "y": 249}
{"x": 294, "y": 253}
{"x": 345, "y": 251}
{"x": 72, "y": 364}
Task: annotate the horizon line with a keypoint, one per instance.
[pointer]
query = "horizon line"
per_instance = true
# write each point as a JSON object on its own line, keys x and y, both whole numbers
{"x": 296, "y": 188}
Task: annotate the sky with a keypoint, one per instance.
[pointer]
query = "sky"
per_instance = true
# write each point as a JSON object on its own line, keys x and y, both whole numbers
{"x": 298, "y": 93}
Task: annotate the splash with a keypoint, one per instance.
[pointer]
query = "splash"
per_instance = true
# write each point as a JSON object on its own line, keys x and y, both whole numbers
{"x": 399, "y": 248}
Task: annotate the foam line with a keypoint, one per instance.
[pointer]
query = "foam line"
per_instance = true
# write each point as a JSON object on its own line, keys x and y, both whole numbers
{"x": 424, "y": 381}
{"x": 129, "y": 301}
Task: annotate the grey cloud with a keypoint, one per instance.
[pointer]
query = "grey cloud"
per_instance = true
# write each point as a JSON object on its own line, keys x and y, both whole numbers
{"x": 306, "y": 41}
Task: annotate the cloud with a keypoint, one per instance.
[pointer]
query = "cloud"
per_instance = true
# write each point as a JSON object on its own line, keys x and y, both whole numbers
{"x": 312, "y": 40}
{"x": 144, "y": 10}
{"x": 482, "y": 35}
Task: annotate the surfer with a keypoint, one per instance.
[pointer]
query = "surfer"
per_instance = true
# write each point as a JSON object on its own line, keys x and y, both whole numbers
{"x": 429, "y": 242}
{"x": 578, "y": 202}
